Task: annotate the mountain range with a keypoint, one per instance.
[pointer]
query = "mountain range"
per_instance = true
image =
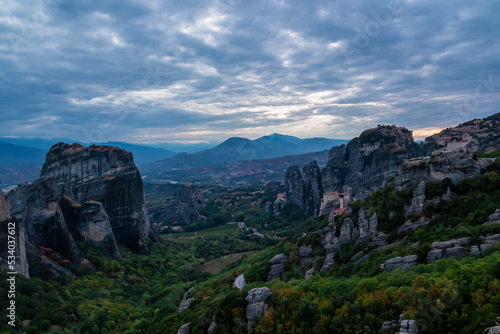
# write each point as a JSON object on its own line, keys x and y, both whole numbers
{"x": 21, "y": 158}
{"x": 239, "y": 149}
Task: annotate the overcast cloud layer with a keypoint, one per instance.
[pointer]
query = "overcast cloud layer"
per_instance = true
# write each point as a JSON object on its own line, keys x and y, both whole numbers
{"x": 157, "y": 71}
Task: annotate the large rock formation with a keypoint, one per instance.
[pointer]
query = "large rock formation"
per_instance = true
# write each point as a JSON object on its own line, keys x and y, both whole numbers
{"x": 304, "y": 188}
{"x": 92, "y": 222}
{"x": 368, "y": 162}
{"x": 456, "y": 165}
{"x": 9, "y": 227}
{"x": 277, "y": 267}
{"x": 313, "y": 189}
{"x": 256, "y": 304}
{"x": 37, "y": 210}
{"x": 107, "y": 175}
{"x": 181, "y": 210}
{"x": 368, "y": 227}
{"x": 399, "y": 262}
{"x": 306, "y": 255}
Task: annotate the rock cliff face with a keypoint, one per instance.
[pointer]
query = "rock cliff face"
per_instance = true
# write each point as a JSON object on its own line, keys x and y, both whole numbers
{"x": 368, "y": 161}
{"x": 456, "y": 165}
{"x": 107, "y": 175}
{"x": 37, "y": 210}
{"x": 181, "y": 210}
{"x": 304, "y": 188}
{"x": 7, "y": 222}
{"x": 92, "y": 222}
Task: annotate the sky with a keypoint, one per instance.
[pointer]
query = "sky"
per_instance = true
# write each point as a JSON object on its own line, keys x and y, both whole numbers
{"x": 202, "y": 71}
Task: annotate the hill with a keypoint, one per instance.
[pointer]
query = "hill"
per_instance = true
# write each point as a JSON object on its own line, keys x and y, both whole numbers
{"x": 477, "y": 135}
{"x": 236, "y": 173}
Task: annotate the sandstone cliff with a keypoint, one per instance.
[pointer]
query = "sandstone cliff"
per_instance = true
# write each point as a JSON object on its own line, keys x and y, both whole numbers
{"x": 6, "y": 221}
{"x": 456, "y": 165}
{"x": 305, "y": 188}
{"x": 367, "y": 162}
{"x": 107, "y": 175}
{"x": 37, "y": 210}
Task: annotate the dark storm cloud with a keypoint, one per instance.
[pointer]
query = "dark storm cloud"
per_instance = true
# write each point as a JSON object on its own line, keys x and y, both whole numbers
{"x": 180, "y": 70}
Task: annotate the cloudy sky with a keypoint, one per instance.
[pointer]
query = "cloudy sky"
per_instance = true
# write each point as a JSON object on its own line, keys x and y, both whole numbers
{"x": 190, "y": 71}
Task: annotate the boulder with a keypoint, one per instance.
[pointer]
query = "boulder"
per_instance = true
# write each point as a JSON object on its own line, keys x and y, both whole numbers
{"x": 434, "y": 255}
{"x": 474, "y": 250}
{"x": 185, "y": 329}
{"x": 456, "y": 252}
{"x": 494, "y": 218}
{"x": 399, "y": 262}
{"x": 256, "y": 304}
{"x": 310, "y": 273}
{"x": 211, "y": 327}
{"x": 306, "y": 251}
{"x": 277, "y": 267}
{"x": 185, "y": 302}
{"x": 408, "y": 327}
{"x": 329, "y": 260}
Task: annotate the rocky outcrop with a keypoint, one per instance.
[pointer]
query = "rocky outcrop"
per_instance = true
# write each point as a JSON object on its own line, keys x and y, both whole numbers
{"x": 313, "y": 189}
{"x": 294, "y": 186}
{"x": 492, "y": 330}
{"x": 280, "y": 203}
{"x": 183, "y": 209}
{"x": 107, "y": 175}
{"x": 456, "y": 165}
{"x": 306, "y": 255}
{"x": 304, "y": 188}
{"x": 185, "y": 329}
{"x": 408, "y": 327}
{"x": 346, "y": 231}
{"x": 211, "y": 327}
{"x": 256, "y": 304}
{"x": 37, "y": 209}
{"x": 277, "y": 267}
{"x": 418, "y": 200}
{"x": 487, "y": 242}
{"x": 92, "y": 223}
{"x": 10, "y": 227}
{"x": 494, "y": 218}
{"x": 447, "y": 249}
{"x": 409, "y": 225}
{"x": 310, "y": 273}
{"x": 185, "y": 302}
{"x": 399, "y": 262}
{"x": 405, "y": 326}
{"x": 367, "y": 227}
{"x": 367, "y": 162}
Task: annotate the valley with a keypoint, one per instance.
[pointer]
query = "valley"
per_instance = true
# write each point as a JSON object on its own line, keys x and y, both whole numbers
{"x": 377, "y": 238}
